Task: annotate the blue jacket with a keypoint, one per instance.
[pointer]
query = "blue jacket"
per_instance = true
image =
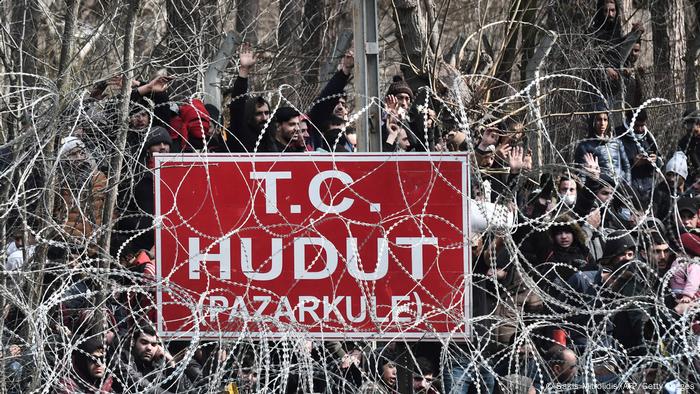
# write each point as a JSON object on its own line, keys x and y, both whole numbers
{"x": 610, "y": 153}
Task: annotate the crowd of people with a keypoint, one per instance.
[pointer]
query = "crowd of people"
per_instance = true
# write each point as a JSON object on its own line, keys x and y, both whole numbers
{"x": 593, "y": 286}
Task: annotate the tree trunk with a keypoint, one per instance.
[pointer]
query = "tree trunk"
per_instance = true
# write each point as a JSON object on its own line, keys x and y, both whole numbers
{"x": 23, "y": 29}
{"x": 36, "y": 282}
{"x": 691, "y": 67}
{"x": 246, "y": 20}
{"x": 288, "y": 35}
{"x": 668, "y": 35}
{"x": 184, "y": 44}
{"x": 413, "y": 42}
{"x": 311, "y": 34}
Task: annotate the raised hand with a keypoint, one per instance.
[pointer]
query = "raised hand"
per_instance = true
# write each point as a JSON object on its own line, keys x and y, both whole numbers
{"x": 347, "y": 62}
{"x": 504, "y": 150}
{"x": 159, "y": 84}
{"x": 246, "y": 59}
{"x": 516, "y": 159}
{"x": 392, "y": 104}
{"x": 591, "y": 164}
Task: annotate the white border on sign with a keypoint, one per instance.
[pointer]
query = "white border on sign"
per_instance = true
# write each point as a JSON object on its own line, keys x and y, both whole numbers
{"x": 193, "y": 158}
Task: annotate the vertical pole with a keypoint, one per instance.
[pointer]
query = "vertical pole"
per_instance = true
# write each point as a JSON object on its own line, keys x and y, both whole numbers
{"x": 369, "y": 136}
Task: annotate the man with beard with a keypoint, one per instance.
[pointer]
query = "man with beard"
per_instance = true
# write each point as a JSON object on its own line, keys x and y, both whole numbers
{"x": 286, "y": 136}
{"x": 82, "y": 192}
{"x": 248, "y": 114}
{"x": 147, "y": 363}
{"x": 331, "y": 102}
{"x": 88, "y": 372}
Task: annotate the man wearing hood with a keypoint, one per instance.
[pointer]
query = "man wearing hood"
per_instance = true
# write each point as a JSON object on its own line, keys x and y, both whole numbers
{"x": 82, "y": 192}
{"x": 669, "y": 188}
{"x": 88, "y": 373}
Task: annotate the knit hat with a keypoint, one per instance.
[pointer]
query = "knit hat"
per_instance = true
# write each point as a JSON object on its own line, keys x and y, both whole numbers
{"x": 68, "y": 144}
{"x": 214, "y": 113}
{"x": 158, "y": 135}
{"x": 618, "y": 242}
{"x": 678, "y": 164}
{"x": 691, "y": 116}
{"x": 283, "y": 114}
{"x": 399, "y": 86}
{"x": 688, "y": 204}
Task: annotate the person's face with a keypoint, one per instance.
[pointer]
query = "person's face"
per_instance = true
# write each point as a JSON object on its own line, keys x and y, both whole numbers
{"x": 145, "y": 347}
{"x": 404, "y": 100}
{"x": 422, "y": 383}
{"x": 486, "y": 160}
{"x": 660, "y": 255}
{"x": 566, "y": 371}
{"x": 304, "y": 133}
{"x": 139, "y": 121}
{"x": 498, "y": 273}
{"x": 689, "y": 219}
{"x": 604, "y": 194}
{"x": 402, "y": 140}
{"x": 610, "y": 11}
{"x": 639, "y": 126}
{"x": 262, "y": 115}
{"x": 600, "y": 123}
{"x": 490, "y": 137}
{"x": 389, "y": 374}
{"x": 564, "y": 238}
{"x": 675, "y": 181}
{"x": 352, "y": 139}
{"x": 634, "y": 55}
{"x": 96, "y": 367}
{"x": 76, "y": 155}
{"x": 249, "y": 379}
{"x": 289, "y": 131}
{"x": 161, "y": 147}
{"x": 341, "y": 108}
{"x": 623, "y": 258}
{"x": 567, "y": 187}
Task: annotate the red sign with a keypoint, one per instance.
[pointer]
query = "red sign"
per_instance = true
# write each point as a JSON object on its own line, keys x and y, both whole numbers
{"x": 331, "y": 246}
